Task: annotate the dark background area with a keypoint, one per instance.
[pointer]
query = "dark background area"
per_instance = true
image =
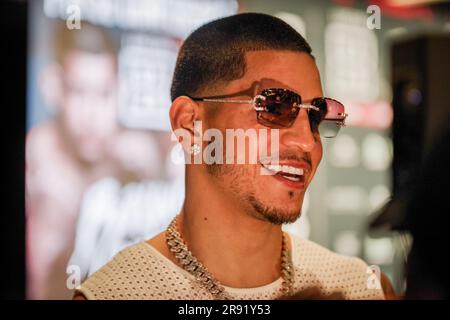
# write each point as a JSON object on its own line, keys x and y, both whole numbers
{"x": 13, "y": 21}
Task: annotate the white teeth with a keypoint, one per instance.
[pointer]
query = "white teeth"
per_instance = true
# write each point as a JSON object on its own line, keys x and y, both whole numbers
{"x": 270, "y": 167}
{"x": 285, "y": 169}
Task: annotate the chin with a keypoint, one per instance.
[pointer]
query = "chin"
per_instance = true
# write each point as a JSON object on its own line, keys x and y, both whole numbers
{"x": 88, "y": 156}
{"x": 279, "y": 218}
{"x": 275, "y": 214}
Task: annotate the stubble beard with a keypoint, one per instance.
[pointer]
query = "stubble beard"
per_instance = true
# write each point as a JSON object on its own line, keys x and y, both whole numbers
{"x": 252, "y": 204}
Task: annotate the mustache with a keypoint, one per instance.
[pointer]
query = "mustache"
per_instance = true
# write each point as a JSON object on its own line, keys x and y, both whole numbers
{"x": 289, "y": 155}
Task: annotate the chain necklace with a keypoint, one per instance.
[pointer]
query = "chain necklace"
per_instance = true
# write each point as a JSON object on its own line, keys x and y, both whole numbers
{"x": 190, "y": 263}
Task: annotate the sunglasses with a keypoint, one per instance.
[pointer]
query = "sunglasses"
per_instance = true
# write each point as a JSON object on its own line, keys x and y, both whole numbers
{"x": 278, "y": 108}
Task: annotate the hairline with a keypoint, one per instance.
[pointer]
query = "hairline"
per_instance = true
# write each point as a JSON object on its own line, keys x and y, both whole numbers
{"x": 218, "y": 85}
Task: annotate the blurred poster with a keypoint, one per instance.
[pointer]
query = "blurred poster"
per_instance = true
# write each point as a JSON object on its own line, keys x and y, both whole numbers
{"x": 100, "y": 173}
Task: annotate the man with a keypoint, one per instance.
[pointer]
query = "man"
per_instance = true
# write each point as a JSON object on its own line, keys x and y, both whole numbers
{"x": 81, "y": 144}
{"x": 246, "y": 71}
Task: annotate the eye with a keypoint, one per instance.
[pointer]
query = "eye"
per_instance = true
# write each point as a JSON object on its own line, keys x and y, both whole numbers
{"x": 273, "y": 108}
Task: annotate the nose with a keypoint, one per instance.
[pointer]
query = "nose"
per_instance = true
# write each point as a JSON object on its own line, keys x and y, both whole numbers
{"x": 299, "y": 135}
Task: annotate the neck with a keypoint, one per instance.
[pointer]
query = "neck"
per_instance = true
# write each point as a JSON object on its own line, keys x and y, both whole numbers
{"x": 238, "y": 249}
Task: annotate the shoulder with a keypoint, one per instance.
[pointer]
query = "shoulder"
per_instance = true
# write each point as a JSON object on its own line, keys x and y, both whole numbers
{"x": 138, "y": 272}
{"x": 350, "y": 276}
{"x": 127, "y": 273}
{"x": 309, "y": 253}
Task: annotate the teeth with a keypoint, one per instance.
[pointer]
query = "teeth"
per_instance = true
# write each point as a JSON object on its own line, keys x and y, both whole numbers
{"x": 285, "y": 169}
{"x": 275, "y": 168}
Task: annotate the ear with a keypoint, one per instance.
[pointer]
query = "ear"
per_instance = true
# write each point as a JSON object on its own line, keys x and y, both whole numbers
{"x": 50, "y": 86}
{"x": 183, "y": 114}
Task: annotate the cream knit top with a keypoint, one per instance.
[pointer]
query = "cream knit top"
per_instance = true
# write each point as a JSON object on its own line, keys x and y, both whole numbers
{"x": 142, "y": 272}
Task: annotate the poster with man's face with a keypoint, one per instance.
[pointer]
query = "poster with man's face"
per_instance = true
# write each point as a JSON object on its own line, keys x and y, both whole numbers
{"x": 99, "y": 151}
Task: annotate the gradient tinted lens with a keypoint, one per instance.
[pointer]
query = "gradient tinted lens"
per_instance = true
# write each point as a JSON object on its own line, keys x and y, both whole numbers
{"x": 315, "y": 118}
{"x": 332, "y": 116}
{"x": 280, "y": 108}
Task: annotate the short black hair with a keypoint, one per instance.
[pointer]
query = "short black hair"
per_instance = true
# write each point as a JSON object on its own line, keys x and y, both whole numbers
{"x": 215, "y": 53}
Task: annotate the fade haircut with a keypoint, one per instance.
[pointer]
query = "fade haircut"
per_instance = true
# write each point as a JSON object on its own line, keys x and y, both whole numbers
{"x": 214, "y": 54}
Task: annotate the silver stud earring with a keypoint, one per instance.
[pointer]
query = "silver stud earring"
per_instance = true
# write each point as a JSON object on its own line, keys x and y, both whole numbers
{"x": 195, "y": 149}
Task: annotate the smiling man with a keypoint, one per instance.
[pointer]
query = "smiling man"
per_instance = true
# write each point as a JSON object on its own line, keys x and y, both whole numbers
{"x": 248, "y": 71}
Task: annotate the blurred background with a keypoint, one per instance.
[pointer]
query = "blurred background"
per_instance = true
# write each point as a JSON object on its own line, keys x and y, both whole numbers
{"x": 102, "y": 172}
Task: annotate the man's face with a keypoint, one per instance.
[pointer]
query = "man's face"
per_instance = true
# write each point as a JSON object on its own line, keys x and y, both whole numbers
{"x": 272, "y": 198}
{"x": 89, "y": 103}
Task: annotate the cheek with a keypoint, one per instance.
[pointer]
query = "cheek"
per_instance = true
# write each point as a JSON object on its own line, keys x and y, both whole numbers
{"x": 316, "y": 157}
{"x": 240, "y": 123}
{"x": 72, "y": 115}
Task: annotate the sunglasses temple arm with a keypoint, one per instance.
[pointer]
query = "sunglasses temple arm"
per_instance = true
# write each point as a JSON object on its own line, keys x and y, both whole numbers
{"x": 227, "y": 101}
{"x": 308, "y": 106}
